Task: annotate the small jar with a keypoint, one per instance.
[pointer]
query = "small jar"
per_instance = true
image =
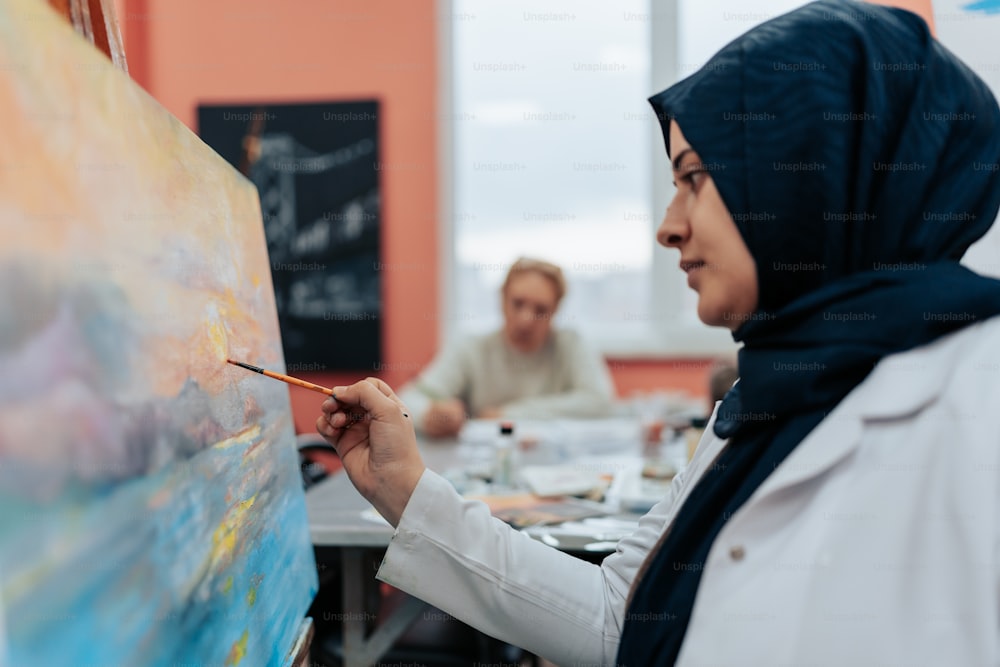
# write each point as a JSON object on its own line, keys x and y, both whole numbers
{"x": 504, "y": 455}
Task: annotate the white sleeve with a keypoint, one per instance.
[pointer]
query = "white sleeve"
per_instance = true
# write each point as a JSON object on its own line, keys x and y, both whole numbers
{"x": 453, "y": 554}
{"x": 444, "y": 378}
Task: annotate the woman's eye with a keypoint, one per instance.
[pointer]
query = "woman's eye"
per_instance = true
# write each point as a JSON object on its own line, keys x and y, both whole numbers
{"x": 694, "y": 176}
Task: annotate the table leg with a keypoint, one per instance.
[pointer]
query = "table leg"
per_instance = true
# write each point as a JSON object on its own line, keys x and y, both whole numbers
{"x": 359, "y": 650}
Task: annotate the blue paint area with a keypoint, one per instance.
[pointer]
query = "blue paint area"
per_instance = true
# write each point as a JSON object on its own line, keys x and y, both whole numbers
{"x": 174, "y": 533}
{"x": 987, "y": 6}
{"x": 143, "y": 567}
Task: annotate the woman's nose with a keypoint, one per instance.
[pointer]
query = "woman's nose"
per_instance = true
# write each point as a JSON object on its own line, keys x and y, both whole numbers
{"x": 674, "y": 229}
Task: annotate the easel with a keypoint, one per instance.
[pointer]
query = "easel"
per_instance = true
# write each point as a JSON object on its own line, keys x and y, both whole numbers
{"x": 96, "y": 21}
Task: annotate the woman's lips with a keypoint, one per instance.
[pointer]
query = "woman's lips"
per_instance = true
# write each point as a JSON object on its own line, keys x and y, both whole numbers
{"x": 691, "y": 269}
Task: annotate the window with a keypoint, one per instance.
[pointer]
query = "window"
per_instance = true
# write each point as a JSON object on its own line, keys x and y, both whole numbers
{"x": 555, "y": 153}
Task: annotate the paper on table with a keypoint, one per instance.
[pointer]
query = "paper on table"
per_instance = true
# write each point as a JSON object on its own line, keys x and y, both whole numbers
{"x": 561, "y": 480}
{"x": 525, "y": 509}
{"x": 634, "y": 492}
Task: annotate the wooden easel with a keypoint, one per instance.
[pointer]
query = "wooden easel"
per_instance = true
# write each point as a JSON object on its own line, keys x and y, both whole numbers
{"x": 97, "y": 22}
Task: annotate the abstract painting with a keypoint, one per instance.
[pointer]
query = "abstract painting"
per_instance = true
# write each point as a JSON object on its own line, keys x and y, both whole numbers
{"x": 316, "y": 168}
{"x": 151, "y": 507}
{"x": 988, "y": 6}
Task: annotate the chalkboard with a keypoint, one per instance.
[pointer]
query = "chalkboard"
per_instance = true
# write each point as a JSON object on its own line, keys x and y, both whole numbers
{"x": 315, "y": 168}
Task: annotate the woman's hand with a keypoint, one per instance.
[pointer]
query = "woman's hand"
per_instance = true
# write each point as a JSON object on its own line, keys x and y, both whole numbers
{"x": 368, "y": 426}
{"x": 444, "y": 419}
{"x": 490, "y": 413}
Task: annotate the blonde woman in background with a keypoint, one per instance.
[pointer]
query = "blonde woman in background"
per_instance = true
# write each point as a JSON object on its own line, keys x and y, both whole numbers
{"x": 526, "y": 370}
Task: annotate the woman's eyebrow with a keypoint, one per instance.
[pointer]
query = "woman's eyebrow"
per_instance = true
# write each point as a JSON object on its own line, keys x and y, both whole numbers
{"x": 680, "y": 156}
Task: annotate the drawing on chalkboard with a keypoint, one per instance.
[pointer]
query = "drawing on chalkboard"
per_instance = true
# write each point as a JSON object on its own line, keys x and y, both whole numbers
{"x": 151, "y": 505}
{"x": 316, "y": 169}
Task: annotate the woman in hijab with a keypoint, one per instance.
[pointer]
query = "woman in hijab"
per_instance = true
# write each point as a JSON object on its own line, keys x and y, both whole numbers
{"x": 832, "y": 166}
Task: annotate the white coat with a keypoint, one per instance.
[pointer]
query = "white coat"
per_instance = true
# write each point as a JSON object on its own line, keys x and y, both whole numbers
{"x": 876, "y": 542}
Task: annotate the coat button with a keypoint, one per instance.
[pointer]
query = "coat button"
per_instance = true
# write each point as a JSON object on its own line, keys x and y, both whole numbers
{"x": 737, "y": 553}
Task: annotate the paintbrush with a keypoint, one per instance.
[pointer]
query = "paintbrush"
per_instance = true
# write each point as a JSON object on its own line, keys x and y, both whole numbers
{"x": 284, "y": 378}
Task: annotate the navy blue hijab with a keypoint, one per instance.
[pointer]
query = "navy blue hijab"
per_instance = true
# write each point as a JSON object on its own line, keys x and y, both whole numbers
{"x": 857, "y": 157}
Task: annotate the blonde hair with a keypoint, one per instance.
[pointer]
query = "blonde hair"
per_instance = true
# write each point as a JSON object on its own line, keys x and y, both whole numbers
{"x": 540, "y": 266}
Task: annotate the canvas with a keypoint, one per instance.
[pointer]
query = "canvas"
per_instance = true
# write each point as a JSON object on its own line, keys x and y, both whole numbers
{"x": 151, "y": 508}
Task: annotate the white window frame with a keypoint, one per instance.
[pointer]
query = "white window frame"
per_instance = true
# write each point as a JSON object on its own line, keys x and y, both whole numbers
{"x": 670, "y": 336}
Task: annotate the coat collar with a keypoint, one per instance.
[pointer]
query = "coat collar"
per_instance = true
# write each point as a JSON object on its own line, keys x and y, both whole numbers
{"x": 898, "y": 386}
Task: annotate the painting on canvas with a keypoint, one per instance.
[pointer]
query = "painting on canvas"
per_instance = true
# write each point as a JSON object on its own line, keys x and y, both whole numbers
{"x": 151, "y": 508}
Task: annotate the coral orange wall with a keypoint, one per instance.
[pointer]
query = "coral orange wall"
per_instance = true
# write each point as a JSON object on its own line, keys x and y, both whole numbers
{"x": 186, "y": 52}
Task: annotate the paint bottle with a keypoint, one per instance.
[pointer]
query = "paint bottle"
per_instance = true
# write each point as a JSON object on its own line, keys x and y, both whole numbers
{"x": 694, "y": 433}
{"x": 504, "y": 454}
